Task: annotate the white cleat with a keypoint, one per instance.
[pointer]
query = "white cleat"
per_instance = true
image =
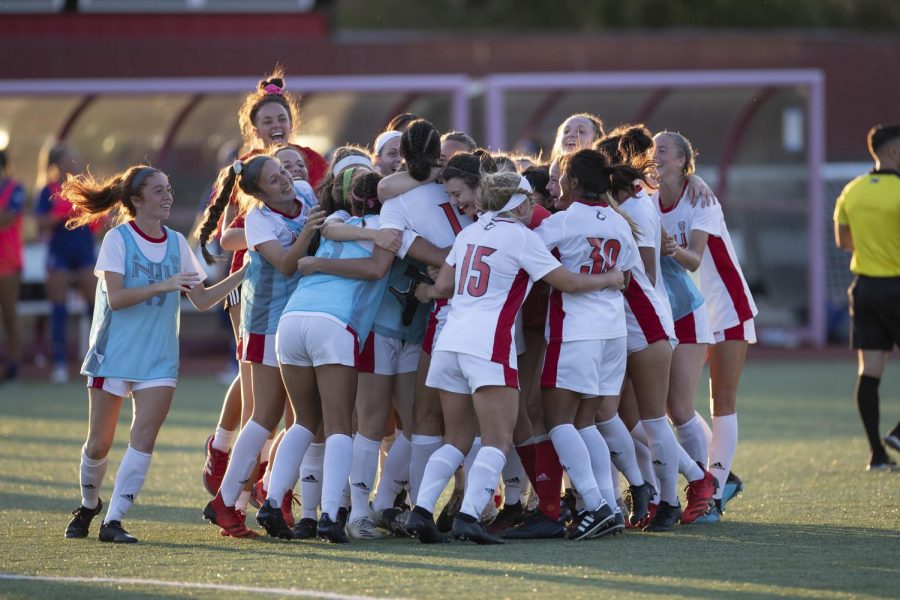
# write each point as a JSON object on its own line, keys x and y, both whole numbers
{"x": 364, "y": 529}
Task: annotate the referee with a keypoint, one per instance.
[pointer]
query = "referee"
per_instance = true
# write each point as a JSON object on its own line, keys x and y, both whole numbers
{"x": 867, "y": 223}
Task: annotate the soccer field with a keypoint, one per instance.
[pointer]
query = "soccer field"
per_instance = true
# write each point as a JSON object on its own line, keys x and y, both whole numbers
{"x": 811, "y": 521}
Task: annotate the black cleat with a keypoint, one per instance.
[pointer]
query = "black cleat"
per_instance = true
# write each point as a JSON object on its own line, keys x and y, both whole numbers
{"x": 272, "y": 520}
{"x": 592, "y": 523}
{"x": 618, "y": 523}
{"x": 449, "y": 512}
{"x": 510, "y": 515}
{"x": 400, "y": 500}
{"x": 304, "y": 529}
{"x": 420, "y": 524}
{"x": 537, "y": 526}
{"x": 567, "y": 509}
{"x": 341, "y": 518}
{"x": 640, "y": 496}
{"x": 113, "y": 532}
{"x": 468, "y": 528}
{"x": 330, "y": 531}
{"x": 81, "y": 520}
{"x": 665, "y": 518}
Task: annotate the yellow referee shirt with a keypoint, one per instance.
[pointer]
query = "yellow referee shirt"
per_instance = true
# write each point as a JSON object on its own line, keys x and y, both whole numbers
{"x": 870, "y": 205}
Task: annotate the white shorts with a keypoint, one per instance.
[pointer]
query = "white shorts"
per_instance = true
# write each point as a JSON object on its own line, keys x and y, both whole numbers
{"x": 124, "y": 388}
{"x": 384, "y": 355}
{"x": 463, "y": 373}
{"x": 746, "y": 331}
{"x": 589, "y": 367}
{"x": 436, "y": 320}
{"x": 644, "y": 330}
{"x": 306, "y": 340}
{"x": 695, "y": 328}
{"x": 258, "y": 348}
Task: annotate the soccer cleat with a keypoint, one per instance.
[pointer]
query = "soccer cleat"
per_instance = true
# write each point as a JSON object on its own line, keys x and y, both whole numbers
{"x": 342, "y": 514}
{"x": 304, "y": 529}
{"x": 466, "y": 528}
{"x": 510, "y": 515}
{"x": 712, "y": 516}
{"x": 330, "y": 531}
{"x": 664, "y": 519}
{"x": 618, "y": 522}
{"x": 420, "y": 524}
{"x": 389, "y": 519}
{"x": 881, "y": 464}
{"x": 81, "y": 520}
{"x": 592, "y": 523}
{"x": 536, "y": 526}
{"x": 640, "y": 496}
{"x": 699, "y": 497}
{"x": 214, "y": 469}
{"x": 113, "y": 532}
{"x": 259, "y": 493}
{"x": 449, "y": 512}
{"x": 242, "y": 515}
{"x": 228, "y": 518}
{"x": 364, "y": 529}
{"x": 400, "y": 500}
{"x": 272, "y": 520}
{"x": 892, "y": 440}
{"x": 287, "y": 503}
{"x": 567, "y": 510}
{"x": 489, "y": 513}
{"x": 733, "y": 488}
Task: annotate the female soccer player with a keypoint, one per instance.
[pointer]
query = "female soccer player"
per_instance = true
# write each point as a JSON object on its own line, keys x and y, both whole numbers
{"x": 143, "y": 268}
{"x": 279, "y": 228}
{"x": 12, "y": 201}
{"x": 701, "y": 241}
{"x": 578, "y": 131}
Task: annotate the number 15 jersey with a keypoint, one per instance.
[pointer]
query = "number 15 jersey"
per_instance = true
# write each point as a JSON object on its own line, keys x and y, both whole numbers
{"x": 590, "y": 238}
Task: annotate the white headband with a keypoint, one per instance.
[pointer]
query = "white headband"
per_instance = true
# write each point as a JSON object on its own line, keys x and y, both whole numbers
{"x": 384, "y": 138}
{"x": 349, "y": 161}
{"x": 514, "y": 201}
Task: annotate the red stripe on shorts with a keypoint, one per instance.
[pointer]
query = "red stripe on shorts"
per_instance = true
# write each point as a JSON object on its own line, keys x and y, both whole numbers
{"x": 644, "y": 313}
{"x": 431, "y": 327}
{"x": 256, "y": 348}
{"x": 735, "y": 333}
{"x": 365, "y": 359}
{"x": 686, "y": 329}
{"x": 731, "y": 278}
{"x": 97, "y": 382}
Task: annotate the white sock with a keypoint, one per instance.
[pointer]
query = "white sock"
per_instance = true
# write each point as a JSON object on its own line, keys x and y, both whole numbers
{"x": 471, "y": 454}
{"x": 129, "y": 481}
{"x": 576, "y": 462}
{"x": 345, "y": 495}
{"x": 515, "y": 478}
{"x": 482, "y": 480}
{"x": 311, "y": 480}
{"x": 722, "y": 449}
{"x": 222, "y": 439}
{"x": 362, "y": 474}
{"x": 664, "y": 449}
{"x": 286, "y": 467}
{"x": 687, "y": 466}
{"x": 644, "y": 460}
{"x": 92, "y": 472}
{"x": 423, "y": 446}
{"x": 706, "y": 430}
{"x": 693, "y": 439}
{"x": 394, "y": 474}
{"x": 336, "y": 471}
{"x": 243, "y": 459}
{"x": 621, "y": 449}
{"x": 440, "y": 468}
{"x": 242, "y": 501}
{"x": 600, "y": 462}
{"x": 616, "y": 481}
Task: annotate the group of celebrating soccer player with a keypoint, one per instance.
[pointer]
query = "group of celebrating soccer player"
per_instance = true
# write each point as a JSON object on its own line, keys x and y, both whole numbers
{"x": 431, "y": 311}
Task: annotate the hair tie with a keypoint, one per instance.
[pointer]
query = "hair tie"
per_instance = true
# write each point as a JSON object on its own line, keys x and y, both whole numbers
{"x": 384, "y": 138}
{"x": 140, "y": 177}
{"x": 350, "y": 160}
{"x": 271, "y": 88}
{"x": 237, "y": 166}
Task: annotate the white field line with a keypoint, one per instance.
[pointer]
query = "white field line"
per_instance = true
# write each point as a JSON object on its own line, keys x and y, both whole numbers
{"x": 294, "y": 592}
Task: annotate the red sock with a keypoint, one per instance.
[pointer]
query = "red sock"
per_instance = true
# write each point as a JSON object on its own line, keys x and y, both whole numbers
{"x": 548, "y": 478}
{"x": 526, "y": 455}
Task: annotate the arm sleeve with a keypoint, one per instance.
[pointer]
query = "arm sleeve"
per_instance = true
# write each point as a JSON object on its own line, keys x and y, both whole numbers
{"x": 112, "y": 254}
{"x": 258, "y": 229}
{"x": 452, "y": 255}
{"x": 645, "y": 225}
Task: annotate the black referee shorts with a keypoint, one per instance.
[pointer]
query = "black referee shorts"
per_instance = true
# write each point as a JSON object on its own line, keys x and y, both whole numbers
{"x": 874, "y": 312}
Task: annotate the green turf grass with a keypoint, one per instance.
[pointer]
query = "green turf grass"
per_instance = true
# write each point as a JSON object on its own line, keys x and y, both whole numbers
{"x": 811, "y": 522}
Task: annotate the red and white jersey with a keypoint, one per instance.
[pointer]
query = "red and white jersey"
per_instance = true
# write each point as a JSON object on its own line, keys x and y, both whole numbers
{"x": 425, "y": 210}
{"x": 648, "y": 317}
{"x": 721, "y": 280}
{"x": 496, "y": 261}
{"x": 642, "y": 210}
{"x": 590, "y": 238}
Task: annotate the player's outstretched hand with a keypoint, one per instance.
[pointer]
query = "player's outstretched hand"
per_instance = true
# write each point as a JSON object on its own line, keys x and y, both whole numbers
{"x": 181, "y": 282}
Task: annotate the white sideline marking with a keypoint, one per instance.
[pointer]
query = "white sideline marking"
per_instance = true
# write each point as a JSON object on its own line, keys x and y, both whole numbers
{"x": 190, "y": 585}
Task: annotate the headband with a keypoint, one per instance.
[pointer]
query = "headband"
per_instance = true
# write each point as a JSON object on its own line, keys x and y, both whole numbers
{"x": 345, "y": 186}
{"x": 514, "y": 201}
{"x": 140, "y": 177}
{"x": 352, "y": 159}
{"x": 384, "y": 138}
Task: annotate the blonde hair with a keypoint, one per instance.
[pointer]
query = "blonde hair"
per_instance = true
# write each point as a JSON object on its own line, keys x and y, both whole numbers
{"x": 498, "y": 188}
{"x": 685, "y": 148}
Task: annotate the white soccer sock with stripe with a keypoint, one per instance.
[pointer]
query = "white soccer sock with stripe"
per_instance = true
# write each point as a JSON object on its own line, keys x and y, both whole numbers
{"x": 243, "y": 460}
{"x": 621, "y": 449}
{"x": 664, "y": 449}
{"x": 440, "y": 468}
{"x": 423, "y": 446}
{"x": 722, "y": 449}
{"x": 92, "y": 473}
{"x": 362, "y": 474}
{"x": 687, "y": 467}
{"x": 286, "y": 467}
{"x": 129, "y": 481}
{"x": 600, "y": 462}
{"x": 482, "y": 480}
{"x": 576, "y": 461}
{"x": 514, "y": 478}
{"x": 693, "y": 439}
{"x": 222, "y": 440}
{"x": 394, "y": 473}
{"x": 311, "y": 480}
{"x": 336, "y": 472}
{"x": 644, "y": 460}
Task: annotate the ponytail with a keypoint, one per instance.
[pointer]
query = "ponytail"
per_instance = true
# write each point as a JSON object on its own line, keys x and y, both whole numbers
{"x": 95, "y": 198}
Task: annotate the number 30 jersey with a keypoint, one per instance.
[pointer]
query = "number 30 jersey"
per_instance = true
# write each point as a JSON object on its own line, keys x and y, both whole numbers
{"x": 590, "y": 238}
{"x": 496, "y": 263}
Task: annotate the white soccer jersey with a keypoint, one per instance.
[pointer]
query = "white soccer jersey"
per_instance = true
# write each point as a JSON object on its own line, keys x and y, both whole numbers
{"x": 642, "y": 210}
{"x": 496, "y": 263}
{"x": 590, "y": 238}
{"x": 721, "y": 280}
{"x": 425, "y": 210}
{"x": 263, "y": 224}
